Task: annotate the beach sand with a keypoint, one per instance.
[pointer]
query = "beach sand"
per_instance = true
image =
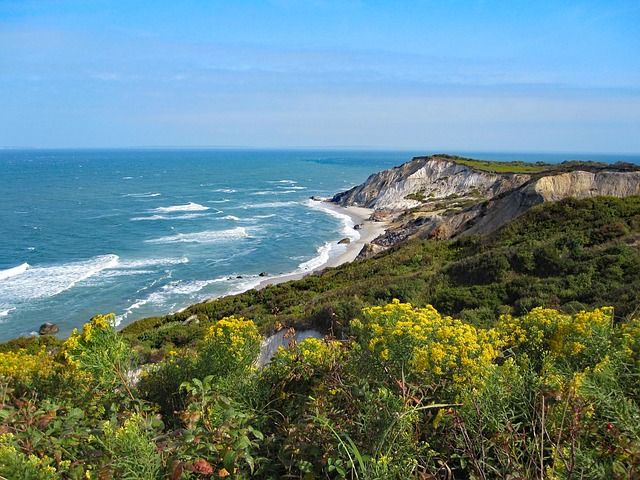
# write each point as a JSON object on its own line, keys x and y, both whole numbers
{"x": 369, "y": 231}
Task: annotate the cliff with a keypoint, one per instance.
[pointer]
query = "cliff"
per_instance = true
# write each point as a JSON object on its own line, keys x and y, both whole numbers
{"x": 427, "y": 178}
{"x": 444, "y": 197}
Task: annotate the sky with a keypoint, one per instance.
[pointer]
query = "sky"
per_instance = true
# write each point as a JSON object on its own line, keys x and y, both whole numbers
{"x": 476, "y": 75}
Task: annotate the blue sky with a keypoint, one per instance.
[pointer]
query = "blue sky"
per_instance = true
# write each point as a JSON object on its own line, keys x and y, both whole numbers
{"x": 455, "y": 75}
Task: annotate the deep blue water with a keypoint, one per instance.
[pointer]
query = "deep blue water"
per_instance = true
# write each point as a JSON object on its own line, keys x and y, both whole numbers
{"x": 147, "y": 232}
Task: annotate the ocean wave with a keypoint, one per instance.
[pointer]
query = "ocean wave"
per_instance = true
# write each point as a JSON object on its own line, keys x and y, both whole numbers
{"x": 270, "y": 205}
{"x": 12, "y": 272}
{"x": 186, "y": 216}
{"x": 292, "y": 182}
{"x": 224, "y": 200}
{"x": 347, "y": 222}
{"x": 275, "y": 192}
{"x": 225, "y": 190}
{"x": 142, "y": 195}
{"x": 165, "y": 294}
{"x": 291, "y": 187}
{"x": 208, "y": 236}
{"x": 230, "y": 217}
{"x": 324, "y": 254}
{"x": 152, "y": 262}
{"x": 189, "y": 207}
{"x": 43, "y": 282}
{"x": 4, "y": 313}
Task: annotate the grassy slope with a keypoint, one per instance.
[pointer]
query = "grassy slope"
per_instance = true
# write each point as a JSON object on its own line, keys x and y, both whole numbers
{"x": 571, "y": 254}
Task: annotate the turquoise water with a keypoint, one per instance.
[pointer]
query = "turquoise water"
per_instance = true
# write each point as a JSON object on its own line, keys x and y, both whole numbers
{"x": 147, "y": 232}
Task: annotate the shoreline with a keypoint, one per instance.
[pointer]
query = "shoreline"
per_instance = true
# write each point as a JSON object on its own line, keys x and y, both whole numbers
{"x": 369, "y": 231}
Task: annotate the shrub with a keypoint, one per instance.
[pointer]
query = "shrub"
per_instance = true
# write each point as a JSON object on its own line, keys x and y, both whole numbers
{"x": 230, "y": 345}
{"x": 423, "y": 345}
{"x": 576, "y": 340}
{"x": 100, "y": 352}
{"x": 132, "y": 449}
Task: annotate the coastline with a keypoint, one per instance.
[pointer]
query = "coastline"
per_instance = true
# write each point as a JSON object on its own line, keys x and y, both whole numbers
{"x": 368, "y": 232}
{"x": 357, "y": 216}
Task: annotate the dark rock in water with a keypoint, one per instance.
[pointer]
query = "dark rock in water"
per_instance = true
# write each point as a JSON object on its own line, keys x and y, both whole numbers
{"x": 263, "y": 274}
{"x": 48, "y": 329}
{"x": 344, "y": 241}
{"x": 358, "y": 226}
{"x": 192, "y": 319}
{"x": 239, "y": 276}
{"x": 317, "y": 199}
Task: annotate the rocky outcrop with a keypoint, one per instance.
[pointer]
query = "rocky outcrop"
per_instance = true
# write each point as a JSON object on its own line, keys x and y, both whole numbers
{"x": 438, "y": 197}
{"x": 48, "y": 329}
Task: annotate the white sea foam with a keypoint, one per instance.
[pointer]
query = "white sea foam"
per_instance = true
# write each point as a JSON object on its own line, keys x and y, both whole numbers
{"x": 43, "y": 282}
{"x": 224, "y": 200}
{"x": 4, "y": 313}
{"x": 167, "y": 293}
{"x": 230, "y": 217}
{"x": 292, "y": 182}
{"x": 292, "y": 187}
{"x": 208, "y": 236}
{"x": 12, "y": 272}
{"x": 274, "y": 192}
{"x": 142, "y": 195}
{"x": 189, "y": 207}
{"x": 347, "y": 222}
{"x": 224, "y": 190}
{"x": 152, "y": 262}
{"x": 186, "y": 216}
{"x": 324, "y": 254}
{"x": 271, "y": 205}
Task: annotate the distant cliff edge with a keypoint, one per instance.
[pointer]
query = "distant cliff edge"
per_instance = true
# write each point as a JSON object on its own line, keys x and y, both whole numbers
{"x": 444, "y": 196}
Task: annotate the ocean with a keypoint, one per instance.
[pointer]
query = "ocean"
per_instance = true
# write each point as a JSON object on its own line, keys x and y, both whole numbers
{"x": 147, "y": 232}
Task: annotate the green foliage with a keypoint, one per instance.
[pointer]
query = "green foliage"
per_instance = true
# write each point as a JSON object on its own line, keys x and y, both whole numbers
{"x": 520, "y": 369}
{"x": 132, "y": 450}
{"x": 15, "y": 464}
{"x": 100, "y": 352}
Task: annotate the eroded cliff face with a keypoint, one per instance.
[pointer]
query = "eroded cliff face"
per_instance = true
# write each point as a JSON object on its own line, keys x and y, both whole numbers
{"x": 434, "y": 197}
{"x": 426, "y": 179}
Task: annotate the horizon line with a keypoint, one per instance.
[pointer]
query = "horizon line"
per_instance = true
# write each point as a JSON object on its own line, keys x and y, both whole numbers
{"x": 434, "y": 151}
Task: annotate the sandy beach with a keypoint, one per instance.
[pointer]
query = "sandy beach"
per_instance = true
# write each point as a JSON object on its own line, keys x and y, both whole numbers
{"x": 368, "y": 232}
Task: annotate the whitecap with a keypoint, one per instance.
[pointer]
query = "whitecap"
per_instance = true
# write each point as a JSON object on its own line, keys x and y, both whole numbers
{"x": 4, "y": 313}
{"x": 189, "y": 207}
{"x": 142, "y": 195}
{"x": 224, "y": 190}
{"x": 208, "y": 236}
{"x": 270, "y": 205}
{"x": 12, "y": 272}
{"x": 152, "y": 262}
{"x": 224, "y": 200}
{"x": 230, "y": 217}
{"x": 283, "y": 181}
{"x": 186, "y": 216}
{"x": 164, "y": 295}
{"x": 43, "y": 282}
{"x": 273, "y": 192}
